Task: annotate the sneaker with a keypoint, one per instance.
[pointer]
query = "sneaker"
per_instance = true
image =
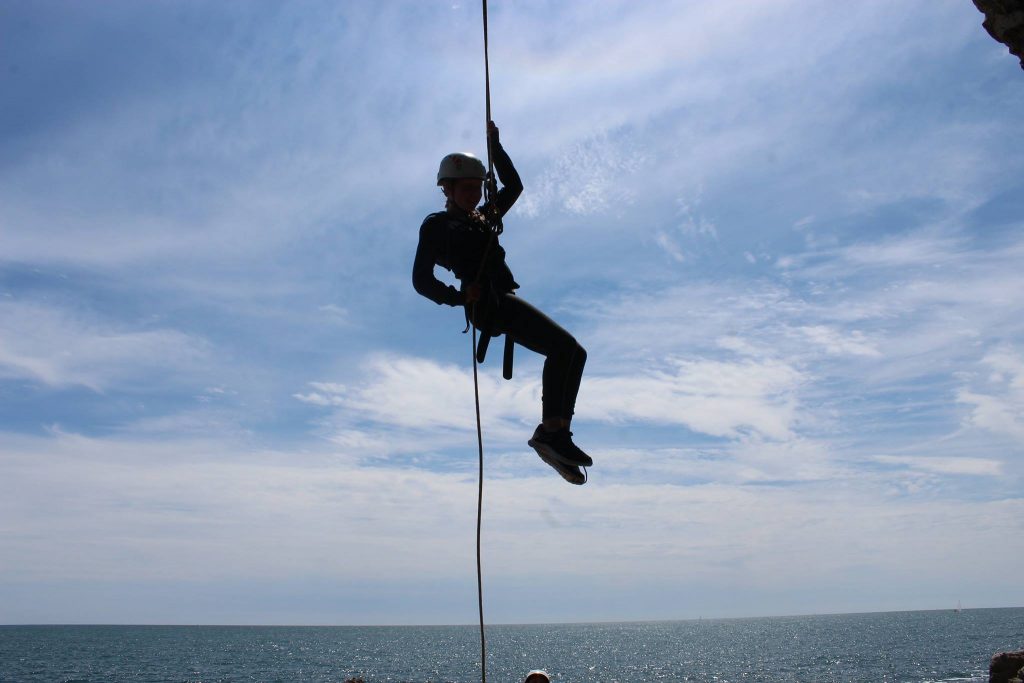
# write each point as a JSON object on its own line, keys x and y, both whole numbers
{"x": 558, "y": 445}
{"x": 571, "y": 473}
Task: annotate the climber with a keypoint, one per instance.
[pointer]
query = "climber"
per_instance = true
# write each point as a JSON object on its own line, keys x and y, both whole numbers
{"x": 460, "y": 239}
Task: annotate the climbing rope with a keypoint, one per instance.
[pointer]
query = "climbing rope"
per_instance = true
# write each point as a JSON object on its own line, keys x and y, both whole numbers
{"x": 479, "y": 516}
{"x": 476, "y": 382}
{"x": 490, "y": 184}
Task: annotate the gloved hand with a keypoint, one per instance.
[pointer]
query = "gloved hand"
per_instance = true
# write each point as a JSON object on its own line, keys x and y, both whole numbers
{"x": 492, "y": 133}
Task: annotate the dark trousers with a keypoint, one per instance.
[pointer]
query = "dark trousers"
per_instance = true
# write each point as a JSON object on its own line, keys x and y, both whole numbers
{"x": 564, "y": 358}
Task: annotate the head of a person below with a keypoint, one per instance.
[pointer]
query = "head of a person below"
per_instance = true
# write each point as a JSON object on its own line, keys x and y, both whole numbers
{"x": 537, "y": 676}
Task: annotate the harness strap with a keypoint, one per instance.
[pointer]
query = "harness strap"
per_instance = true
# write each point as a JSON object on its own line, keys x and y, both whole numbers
{"x": 481, "y": 346}
{"x": 486, "y": 327}
{"x": 507, "y": 358}
{"x": 506, "y": 368}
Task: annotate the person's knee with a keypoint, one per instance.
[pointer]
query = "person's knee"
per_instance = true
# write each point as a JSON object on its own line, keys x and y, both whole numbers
{"x": 571, "y": 353}
{"x": 577, "y": 355}
{"x": 567, "y": 352}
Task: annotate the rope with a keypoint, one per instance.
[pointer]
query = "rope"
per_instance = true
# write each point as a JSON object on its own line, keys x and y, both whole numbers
{"x": 487, "y": 91}
{"x": 476, "y": 382}
{"x": 479, "y": 516}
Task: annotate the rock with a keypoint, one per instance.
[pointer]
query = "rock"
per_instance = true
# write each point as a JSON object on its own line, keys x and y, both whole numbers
{"x": 1004, "y": 21}
{"x": 1006, "y": 667}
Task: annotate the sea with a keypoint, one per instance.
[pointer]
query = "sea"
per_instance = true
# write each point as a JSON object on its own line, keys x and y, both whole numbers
{"x": 930, "y": 646}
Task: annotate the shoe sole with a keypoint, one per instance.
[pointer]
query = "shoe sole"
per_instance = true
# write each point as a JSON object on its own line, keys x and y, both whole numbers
{"x": 540, "y": 446}
{"x": 571, "y": 473}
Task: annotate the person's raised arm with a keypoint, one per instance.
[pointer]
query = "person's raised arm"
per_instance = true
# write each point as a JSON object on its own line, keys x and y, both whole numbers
{"x": 511, "y": 184}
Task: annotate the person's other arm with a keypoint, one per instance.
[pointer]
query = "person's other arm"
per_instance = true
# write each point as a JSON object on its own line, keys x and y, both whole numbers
{"x": 423, "y": 280}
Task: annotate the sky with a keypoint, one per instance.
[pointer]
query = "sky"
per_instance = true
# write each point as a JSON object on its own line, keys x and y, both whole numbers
{"x": 788, "y": 234}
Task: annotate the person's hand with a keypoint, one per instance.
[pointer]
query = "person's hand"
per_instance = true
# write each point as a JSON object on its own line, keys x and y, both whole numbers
{"x": 473, "y": 293}
{"x": 492, "y": 132}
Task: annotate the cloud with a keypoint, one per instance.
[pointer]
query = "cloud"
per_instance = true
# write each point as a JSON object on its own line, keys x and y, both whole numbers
{"x": 325, "y": 394}
{"x": 858, "y": 363}
{"x": 998, "y": 405}
{"x": 213, "y": 509}
{"x": 202, "y": 509}
{"x": 834, "y": 342}
{"x": 420, "y": 393}
{"x": 405, "y": 396}
{"x": 994, "y": 413}
{"x": 912, "y": 250}
{"x": 691, "y": 228}
{"x": 58, "y": 348}
{"x": 952, "y": 466}
{"x": 1007, "y": 368}
{"x": 412, "y": 407}
{"x": 670, "y": 245}
{"x": 335, "y": 313}
{"x": 712, "y": 397}
{"x": 587, "y": 179}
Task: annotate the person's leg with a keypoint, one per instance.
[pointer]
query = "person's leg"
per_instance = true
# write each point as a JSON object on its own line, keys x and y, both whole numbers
{"x": 564, "y": 357}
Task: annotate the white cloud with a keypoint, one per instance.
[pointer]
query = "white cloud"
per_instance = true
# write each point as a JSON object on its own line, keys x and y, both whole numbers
{"x": 669, "y": 244}
{"x": 834, "y": 342}
{"x": 995, "y": 413}
{"x": 712, "y": 397}
{"x": 321, "y": 399}
{"x": 586, "y": 179}
{"x": 740, "y": 346}
{"x": 419, "y": 393}
{"x": 691, "y": 229}
{"x": 953, "y": 466}
{"x": 408, "y": 405}
{"x": 335, "y": 313}
{"x": 60, "y": 348}
{"x": 213, "y": 510}
{"x": 998, "y": 403}
{"x": 692, "y": 222}
{"x": 874, "y": 360}
{"x": 911, "y": 250}
{"x": 1007, "y": 368}
{"x": 427, "y": 398}
{"x": 202, "y": 510}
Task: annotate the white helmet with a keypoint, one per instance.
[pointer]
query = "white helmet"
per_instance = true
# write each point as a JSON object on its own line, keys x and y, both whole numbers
{"x": 460, "y": 165}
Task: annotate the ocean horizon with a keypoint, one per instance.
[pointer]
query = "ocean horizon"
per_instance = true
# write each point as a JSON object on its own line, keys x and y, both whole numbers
{"x": 934, "y": 646}
{"x": 475, "y": 625}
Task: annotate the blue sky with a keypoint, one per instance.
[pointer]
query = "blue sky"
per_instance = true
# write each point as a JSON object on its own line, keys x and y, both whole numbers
{"x": 787, "y": 232}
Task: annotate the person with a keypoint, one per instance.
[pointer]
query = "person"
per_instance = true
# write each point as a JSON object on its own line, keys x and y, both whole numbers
{"x": 459, "y": 239}
{"x": 537, "y": 676}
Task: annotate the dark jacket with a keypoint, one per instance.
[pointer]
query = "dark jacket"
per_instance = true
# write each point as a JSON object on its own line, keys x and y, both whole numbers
{"x": 457, "y": 241}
